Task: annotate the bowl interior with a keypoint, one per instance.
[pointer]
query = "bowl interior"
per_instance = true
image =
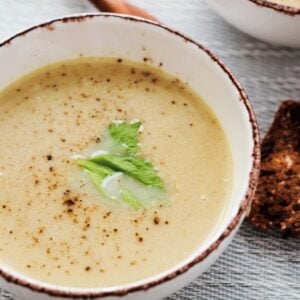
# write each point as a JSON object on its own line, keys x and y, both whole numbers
{"x": 114, "y": 36}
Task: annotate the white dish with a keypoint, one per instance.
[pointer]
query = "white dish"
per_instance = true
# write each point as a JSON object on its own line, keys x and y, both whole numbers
{"x": 273, "y": 23}
{"x": 135, "y": 39}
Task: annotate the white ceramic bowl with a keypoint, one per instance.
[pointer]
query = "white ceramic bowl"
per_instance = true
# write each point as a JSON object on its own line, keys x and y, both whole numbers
{"x": 132, "y": 38}
{"x": 262, "y": 19}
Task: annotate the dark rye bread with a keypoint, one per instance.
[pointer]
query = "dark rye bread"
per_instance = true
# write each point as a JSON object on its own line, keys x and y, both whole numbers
{"x": 277, "y": 200}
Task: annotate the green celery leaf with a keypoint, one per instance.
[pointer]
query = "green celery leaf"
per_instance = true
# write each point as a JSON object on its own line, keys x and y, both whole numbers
{"x": 126, "y": 136}
{"x": 136, "y": 167}
{"x": 97, "y": 180}
{"x": 131, "y": 200}
{"x": 98, "y": 173}
{"x": 122, "y": 146}
{"x": 94, "y": 168}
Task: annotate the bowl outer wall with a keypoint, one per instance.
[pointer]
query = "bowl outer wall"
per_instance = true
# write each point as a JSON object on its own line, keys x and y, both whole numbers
{"x": 271, "y": 23}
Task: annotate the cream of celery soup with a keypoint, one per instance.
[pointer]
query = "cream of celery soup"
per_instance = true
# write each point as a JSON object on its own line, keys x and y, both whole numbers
{"x": 110, "y": 171}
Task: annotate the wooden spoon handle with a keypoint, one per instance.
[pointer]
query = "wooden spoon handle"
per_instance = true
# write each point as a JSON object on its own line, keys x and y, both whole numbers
{"x": 122, "y": 7}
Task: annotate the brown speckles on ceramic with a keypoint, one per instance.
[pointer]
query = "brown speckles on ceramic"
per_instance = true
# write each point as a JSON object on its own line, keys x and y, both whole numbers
{"x": 236, "y": 220}
{"x": 288, "y": 10}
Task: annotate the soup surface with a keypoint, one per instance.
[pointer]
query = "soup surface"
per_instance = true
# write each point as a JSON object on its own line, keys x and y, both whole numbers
{"x": 55, "y": 226}
{"x": 292, "y": 3}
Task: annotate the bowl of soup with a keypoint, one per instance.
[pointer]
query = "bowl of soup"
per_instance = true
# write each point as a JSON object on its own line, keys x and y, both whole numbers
{"x": 273, "y": 21}
{"x": 129, "y": 158}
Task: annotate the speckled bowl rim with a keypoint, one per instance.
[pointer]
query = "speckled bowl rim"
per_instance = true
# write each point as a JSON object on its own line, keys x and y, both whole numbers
{"x": 245, "y": 201}
{"x": 285, "y": 9}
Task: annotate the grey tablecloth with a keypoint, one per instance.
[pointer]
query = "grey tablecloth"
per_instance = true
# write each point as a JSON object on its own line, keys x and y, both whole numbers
{"x": 256, "y": 265}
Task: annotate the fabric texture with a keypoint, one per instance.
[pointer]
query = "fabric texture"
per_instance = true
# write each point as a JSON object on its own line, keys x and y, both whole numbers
{"x": 256, "y": 265}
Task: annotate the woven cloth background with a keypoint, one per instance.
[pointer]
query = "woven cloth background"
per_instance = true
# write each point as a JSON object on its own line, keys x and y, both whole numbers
{"x": 256, "y": 265}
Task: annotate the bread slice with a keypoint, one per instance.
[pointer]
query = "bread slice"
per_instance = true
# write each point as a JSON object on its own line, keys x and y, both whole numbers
{"x": 277, "y": 200}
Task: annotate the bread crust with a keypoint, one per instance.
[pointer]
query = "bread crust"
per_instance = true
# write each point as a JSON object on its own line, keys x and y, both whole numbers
{"x": 277, "y": 199}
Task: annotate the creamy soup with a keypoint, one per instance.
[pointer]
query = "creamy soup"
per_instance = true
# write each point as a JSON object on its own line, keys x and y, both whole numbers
{"x": 55, "y": 225}
{"x": 291, "y": 3}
